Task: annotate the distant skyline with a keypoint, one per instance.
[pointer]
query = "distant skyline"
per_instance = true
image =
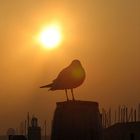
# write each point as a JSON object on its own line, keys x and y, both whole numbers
{"x": 103, "y": 35}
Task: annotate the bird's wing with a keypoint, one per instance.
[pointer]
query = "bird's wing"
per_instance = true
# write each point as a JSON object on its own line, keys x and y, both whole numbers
{"x": 64, "y": 75}
{"x": 69, "y": 77}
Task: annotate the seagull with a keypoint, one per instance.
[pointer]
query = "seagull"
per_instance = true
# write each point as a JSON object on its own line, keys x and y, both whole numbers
{"x": 69, "y": 78}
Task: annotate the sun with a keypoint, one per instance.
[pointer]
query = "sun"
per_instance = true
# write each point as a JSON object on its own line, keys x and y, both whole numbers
{"x": 50, "y": 37}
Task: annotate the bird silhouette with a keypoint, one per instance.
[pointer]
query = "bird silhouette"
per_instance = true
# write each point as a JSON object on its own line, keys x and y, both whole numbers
{"x": 69, "y": 78}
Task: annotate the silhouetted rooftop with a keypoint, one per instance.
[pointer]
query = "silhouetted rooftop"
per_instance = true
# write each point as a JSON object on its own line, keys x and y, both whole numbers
{"x": 125, "y": 125}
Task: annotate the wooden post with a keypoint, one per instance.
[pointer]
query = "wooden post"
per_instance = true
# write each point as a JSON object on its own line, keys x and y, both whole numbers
{"x": 119, "y": 112}
{"x": 45, "y": 130}
{"x": 103, "y": 124}
{"x": 28, "y": 120}
{"x": 115, "y": 120}
{"x": 131, "y": 115}
{"x": 109, "y": 116}
{"x": 105, "y": 119}
{"x": 126, "y": 109}
{"x": 124, "y": 113}
{"x": 25, "y": 127}
{"x": 135, "y": 115}
{"x": 76, "y": 120}
{"x": 139, "y": 112}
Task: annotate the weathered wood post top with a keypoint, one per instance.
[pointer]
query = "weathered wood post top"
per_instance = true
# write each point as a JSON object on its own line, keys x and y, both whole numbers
{"x": 76, "y": 120}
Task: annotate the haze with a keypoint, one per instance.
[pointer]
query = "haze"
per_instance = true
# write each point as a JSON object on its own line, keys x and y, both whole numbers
{"x": 103, "y": 35}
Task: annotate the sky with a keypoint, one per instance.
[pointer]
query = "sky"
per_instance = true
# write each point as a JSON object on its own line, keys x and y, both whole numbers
{"x": 102, "y": 34}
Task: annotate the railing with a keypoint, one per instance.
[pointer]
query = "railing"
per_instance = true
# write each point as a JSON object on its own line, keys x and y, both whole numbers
{"x": 121, "y": 115}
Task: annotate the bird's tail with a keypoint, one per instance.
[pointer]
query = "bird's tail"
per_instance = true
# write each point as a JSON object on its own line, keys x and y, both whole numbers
{"x": 47, "y": 86}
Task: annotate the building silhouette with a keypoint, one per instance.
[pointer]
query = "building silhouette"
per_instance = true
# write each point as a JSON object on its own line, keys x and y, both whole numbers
{"x": 82, "y": 120}
{"x": 34, "y": 131}
{"x": 123, "y": 131}
{"x": 11, "y": 131}
{"x": 17, "y": 137}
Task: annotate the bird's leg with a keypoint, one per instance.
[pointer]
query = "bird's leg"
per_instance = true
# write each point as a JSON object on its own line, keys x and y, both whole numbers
{"x": 72, "y": 95}
{"x": 66, "y": 94}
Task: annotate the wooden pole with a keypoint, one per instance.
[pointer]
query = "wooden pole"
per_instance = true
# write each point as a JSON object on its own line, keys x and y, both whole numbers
{"x": 25, "y": 128}
{"x": 103, "y": 118}
{"x": 135, "y": 115}
{"x": 28, "y": 120}
{"x": 109, "y": 116}
{"x": 115, "y": 119}
{"x": 124, "y": 114}
{"x": 119, "y": 113}
{"x": 45, "y": 130}
{"x": 131, "y": 115}
{"x": 139, "y": 112}
{"x": 126, "y": 109}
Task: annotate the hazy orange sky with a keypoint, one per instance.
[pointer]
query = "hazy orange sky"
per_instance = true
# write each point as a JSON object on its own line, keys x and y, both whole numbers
{"x": 103, "y": 34}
